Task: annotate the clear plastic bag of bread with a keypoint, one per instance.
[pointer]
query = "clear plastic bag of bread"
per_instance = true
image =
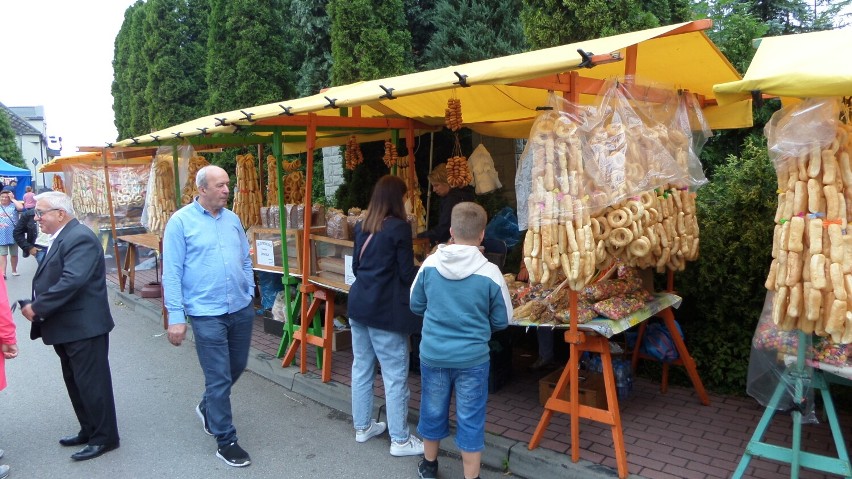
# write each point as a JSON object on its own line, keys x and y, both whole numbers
{"x": 773, "y": 352}
{"x": 793, "y": 131}
{"x": 337, "y": 225}
{"x": 128, "y": 185}
{"x": 623, "y": 151}
{"x": 688, "y": 131}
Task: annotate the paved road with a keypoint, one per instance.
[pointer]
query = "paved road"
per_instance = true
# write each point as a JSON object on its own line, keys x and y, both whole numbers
{"x": 157, "y": 387}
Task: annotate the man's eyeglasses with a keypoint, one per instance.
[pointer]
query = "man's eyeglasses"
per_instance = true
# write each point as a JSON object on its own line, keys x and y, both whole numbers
{"x": 41, "y": 213}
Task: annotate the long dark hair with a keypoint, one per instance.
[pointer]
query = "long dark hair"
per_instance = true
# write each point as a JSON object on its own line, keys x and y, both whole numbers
{"x": 387, "y": 200}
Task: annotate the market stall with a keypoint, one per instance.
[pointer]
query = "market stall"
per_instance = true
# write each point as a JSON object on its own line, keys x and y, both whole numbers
{"x": 21, "y": 177}
{"x": 804, "y": 336}
{"x": 499, "y": 97}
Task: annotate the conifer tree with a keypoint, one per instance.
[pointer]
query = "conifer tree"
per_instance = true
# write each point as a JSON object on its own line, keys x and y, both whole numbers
{"x": 9, "y": 150}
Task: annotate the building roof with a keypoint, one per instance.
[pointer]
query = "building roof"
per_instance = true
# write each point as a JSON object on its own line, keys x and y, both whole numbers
{"x": 21, "y": 126}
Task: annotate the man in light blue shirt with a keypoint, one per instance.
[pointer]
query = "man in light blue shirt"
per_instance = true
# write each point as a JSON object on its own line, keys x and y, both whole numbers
{"x": 208, "y": 280}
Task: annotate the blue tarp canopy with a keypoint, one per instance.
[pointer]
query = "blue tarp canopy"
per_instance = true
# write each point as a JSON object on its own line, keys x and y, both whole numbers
{"x": 22, "y": 176}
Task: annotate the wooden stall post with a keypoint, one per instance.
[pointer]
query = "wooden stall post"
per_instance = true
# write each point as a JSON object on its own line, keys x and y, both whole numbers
{"x": 302, "y": 337}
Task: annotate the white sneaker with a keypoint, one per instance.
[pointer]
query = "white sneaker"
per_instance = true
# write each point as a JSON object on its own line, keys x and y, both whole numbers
{"x": 412, "y": 447}
{"x": 1, "y": 453}
{"x": 4, "y": 471}
{"x": 374, "y": 430}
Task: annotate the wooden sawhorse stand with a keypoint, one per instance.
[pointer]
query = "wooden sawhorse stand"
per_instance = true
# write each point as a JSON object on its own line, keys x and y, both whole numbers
{"x": 797, "y": 375}
{"x": 578, "y": 342}
{"x": 303, "y": 336}
{"x": 684, "y": 360}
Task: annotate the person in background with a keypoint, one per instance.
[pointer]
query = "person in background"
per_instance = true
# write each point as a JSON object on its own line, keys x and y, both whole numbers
{"x": 29, "y": 237}
{"x": 208, "y": 279}
{"x": 9, "y": 210}
{"x": 463, "y": 298}
{"x": 70, "y": 311}
{"x": 9, "y": 346}
{"x": 380, "y": 318}
{"x": 450, "y": 197}
{"x": 29, "y": 198}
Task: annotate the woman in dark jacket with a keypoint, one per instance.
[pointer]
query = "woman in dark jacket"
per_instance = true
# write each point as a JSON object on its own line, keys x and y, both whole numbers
{"x": 450, "y": 197}
{"x": 381, "y": 321}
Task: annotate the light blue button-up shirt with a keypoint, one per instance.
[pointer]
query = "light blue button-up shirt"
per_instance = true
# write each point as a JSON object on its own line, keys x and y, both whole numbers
{"x": 207, "y": 270}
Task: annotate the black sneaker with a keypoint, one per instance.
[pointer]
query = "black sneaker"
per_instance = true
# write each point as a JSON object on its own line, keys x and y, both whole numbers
{"x": 233, "y": 455}
{"x": 428, "y": 469}
{"x": 202, "y": 413}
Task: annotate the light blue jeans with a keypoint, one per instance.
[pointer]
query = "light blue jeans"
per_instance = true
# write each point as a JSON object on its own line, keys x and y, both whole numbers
{"x": 222, "y": 343}
{"x": 391, "y": 349}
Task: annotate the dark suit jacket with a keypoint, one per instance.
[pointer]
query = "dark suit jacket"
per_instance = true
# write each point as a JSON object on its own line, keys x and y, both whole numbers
{"x": 26, "y": 231}
{"x": 69, "y": 289}
{"x": 383, "y": 276}
{"x": 440, "y": 233}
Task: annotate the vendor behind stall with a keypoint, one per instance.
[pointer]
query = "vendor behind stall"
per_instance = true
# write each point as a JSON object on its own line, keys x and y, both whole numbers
{"x": 450, "y": 197}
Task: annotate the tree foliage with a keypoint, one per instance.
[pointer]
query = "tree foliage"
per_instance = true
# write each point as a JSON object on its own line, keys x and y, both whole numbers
{"x": 312, "y": 44}
{"x": 549, "y": 23}
{"x": 9, "y": 149}
{"x": 421, "y": 25}
{"x": 723, "y": 291}
{"x": 472, "y": 30}
{"x": 121, "y": 83}
{"x": 175, "y": 34}
{"x": 369, "y": 40}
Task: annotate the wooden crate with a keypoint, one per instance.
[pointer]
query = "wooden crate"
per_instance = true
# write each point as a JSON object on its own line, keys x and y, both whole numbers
{"x": 592, "y": 392}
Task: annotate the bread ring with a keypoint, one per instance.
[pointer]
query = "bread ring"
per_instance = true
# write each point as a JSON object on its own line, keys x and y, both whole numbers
{"x": 648, "y": 200}
{"x": 596, "y": 228}
{"x": 605, "y": 228}
{"x": 620, "y": 237}
{"x": 636, "y": 209}
{"x": 564, "y": 128}
{"x": 617, "y": 219}
{"x": 640, "y": 247}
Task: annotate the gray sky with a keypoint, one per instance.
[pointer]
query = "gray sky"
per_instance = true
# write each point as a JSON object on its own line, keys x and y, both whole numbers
{"x": 58, "y": 54}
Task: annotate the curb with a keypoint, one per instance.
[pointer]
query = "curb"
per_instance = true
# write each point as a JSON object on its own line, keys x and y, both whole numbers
{"x": 499, "y": 451}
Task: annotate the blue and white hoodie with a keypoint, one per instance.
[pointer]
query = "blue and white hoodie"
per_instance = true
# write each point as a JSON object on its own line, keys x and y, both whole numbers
{"x": 462, "y": 298}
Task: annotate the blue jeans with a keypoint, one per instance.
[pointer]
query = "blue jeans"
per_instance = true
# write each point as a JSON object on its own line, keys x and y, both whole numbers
{"x": 222, "y": 343}
{"x": 471, "y": 390}
{"x": 391, "y": 349}
{"x": 40, "y": 255}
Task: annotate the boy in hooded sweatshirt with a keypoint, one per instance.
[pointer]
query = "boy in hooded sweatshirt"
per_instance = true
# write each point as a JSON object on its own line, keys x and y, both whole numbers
{"x": 462, "y": 298}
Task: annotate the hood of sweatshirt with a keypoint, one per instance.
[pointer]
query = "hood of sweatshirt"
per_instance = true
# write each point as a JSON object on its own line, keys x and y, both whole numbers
{"x": 458, "y": 261}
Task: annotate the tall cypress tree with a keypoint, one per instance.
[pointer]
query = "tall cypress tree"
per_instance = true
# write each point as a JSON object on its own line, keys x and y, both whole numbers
{"x": 472, "y": 30}
{"x": 312, "y": 44}
{"x": 247, "y": 61}
{"x": 9, "y": 150}
{"x": 175, "y": 43}
{"x": 121, "y": 91}
{"x": 421, "y": 24}
{"x": 369, "y": 40}
{"x": 136, "y": 74}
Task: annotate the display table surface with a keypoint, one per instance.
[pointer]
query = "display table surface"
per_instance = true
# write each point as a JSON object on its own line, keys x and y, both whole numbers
{"x": 610, "y": 327}
{"x": 128, "y": 270}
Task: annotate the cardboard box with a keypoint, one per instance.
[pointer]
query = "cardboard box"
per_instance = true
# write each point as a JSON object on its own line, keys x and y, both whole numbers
{"x": 342, "y": 340}
{"x": 592, "y": 392}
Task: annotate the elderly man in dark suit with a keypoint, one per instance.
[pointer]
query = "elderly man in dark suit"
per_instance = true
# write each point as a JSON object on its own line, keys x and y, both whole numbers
{"x": 70, "y": 311}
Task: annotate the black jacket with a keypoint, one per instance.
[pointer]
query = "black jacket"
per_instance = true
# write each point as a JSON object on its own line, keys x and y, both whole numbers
{"x": 379, "y": 296}
{"x": 69, "y": 289}
{"x": 440, "y": 233}
{"x": 26, "y": 232}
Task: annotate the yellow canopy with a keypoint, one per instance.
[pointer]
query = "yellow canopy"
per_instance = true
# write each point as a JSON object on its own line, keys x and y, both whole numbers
{"x": 501, "y": 95}
{"x": 95, "y": 159}
{"x": 802, "y": 66}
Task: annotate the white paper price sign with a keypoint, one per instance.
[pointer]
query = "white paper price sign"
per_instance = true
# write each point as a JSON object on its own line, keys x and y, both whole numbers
{"x": 348, "y": 275}
{"x": 265, "y": 252}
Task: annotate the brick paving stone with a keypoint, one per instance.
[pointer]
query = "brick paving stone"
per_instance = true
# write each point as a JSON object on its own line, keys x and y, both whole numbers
{"x": 699, "y": 457}
{"x": 647, "y": 462}
{"x": 655, "y": 474}
{"x": 683, "y": 472}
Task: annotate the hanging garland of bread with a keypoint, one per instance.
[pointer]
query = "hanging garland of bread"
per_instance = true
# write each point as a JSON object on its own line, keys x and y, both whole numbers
{"x": 453, "y": 115}
{"x": 247, "y": 200}
{"x": 811, "y": 270}
{"x": 353, "y": 156}
{"x": 58, "y": 184}
{"x": 190, "y": 190}
{"x": 294, "y": 182}
{"x": 161, "y": 202}
{"x": 390, "y": 157}
{"x": 271, "y": 181}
